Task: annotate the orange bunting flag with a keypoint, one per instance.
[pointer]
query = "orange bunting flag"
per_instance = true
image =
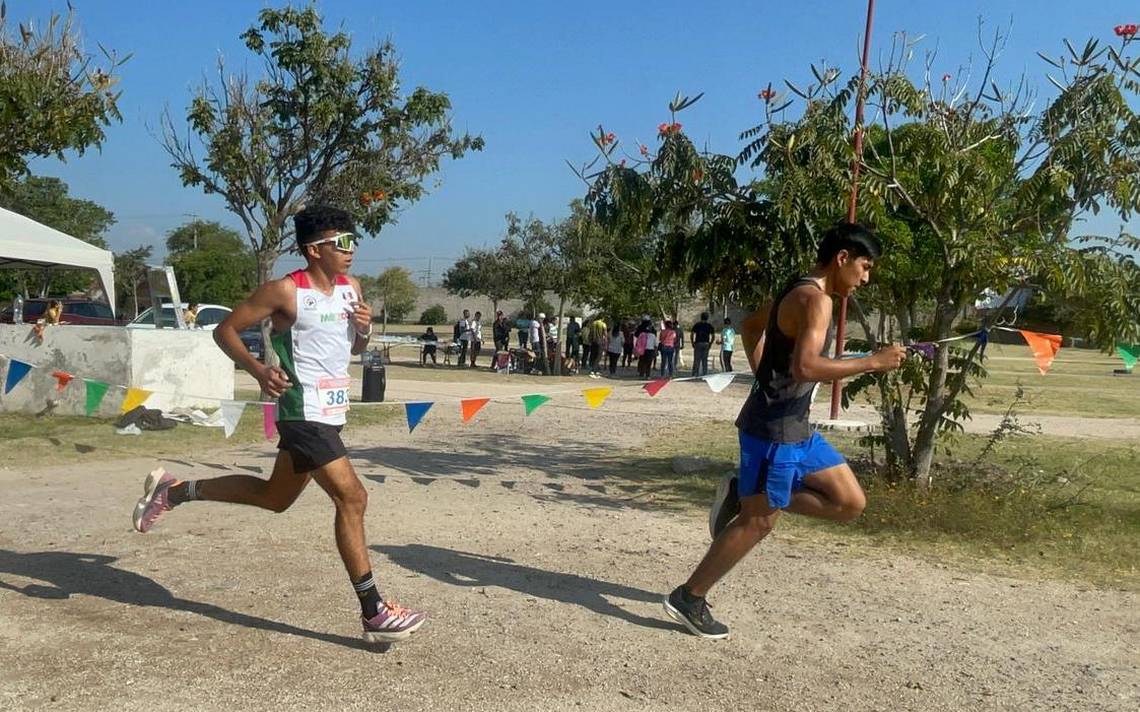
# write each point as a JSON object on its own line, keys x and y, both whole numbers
{"x": 468, "y": 407}
{"x": 1044, "y": 347}
{"x": 135, "y": 398}
{"x": 596, "y": 396}
{"x": 62, "y": 378}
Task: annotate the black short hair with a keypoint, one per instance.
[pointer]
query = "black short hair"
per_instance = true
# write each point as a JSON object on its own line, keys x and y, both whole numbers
{"x": 310, "y": 222}
{"x": 858, "y": 240}
{"x": 704, "y": 316}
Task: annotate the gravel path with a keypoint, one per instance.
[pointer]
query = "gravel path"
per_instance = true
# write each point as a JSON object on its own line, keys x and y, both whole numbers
{"x": 542, "y": 572}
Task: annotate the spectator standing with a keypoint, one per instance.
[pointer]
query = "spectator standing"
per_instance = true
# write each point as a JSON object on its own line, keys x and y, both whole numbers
{"x": 645, "y": 346}
{"x": 573, "y": 340}
{"x": 463, "y": 336}
{"x": 614, "y": 347}
{"x": 667, "y": 344}
{"x": 727, "y": 343}
{"x": 702, "y": 337}
{"x": 501, "y": 332}
{"x": 475, "y": 329}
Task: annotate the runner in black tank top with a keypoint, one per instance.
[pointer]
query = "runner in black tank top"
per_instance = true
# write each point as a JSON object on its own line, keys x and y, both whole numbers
{"x": 783, "y": 464}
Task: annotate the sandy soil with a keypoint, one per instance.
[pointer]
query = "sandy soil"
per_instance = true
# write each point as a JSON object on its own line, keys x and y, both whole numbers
{"x": 542, "y": 573}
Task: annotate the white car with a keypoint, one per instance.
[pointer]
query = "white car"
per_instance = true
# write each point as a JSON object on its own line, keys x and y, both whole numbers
{"x": 209, "y": 316}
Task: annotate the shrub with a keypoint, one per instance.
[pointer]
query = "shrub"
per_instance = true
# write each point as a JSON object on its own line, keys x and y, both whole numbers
{"x": 434, "y": 315}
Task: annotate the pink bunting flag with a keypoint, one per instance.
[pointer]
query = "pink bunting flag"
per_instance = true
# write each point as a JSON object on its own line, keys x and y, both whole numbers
{"x": 269, "y": 420}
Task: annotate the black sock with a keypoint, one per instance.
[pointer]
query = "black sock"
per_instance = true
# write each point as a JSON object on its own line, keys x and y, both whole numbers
{"x": 370, "y": 600}
{"x": 183, "y": 492}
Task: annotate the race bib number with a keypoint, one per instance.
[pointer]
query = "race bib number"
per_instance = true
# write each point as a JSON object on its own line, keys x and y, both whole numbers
{"x": 333, "y": 395}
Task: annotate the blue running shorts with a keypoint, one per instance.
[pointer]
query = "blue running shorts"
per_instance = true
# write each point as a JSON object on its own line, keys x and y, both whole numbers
{"x": 778, "y": 469}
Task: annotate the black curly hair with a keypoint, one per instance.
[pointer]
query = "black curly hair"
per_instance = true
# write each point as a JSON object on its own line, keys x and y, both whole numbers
{"x": 310, "y": 222}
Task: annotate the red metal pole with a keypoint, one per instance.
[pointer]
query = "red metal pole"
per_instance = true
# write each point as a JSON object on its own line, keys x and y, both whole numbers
{"x": 841, "y": 327}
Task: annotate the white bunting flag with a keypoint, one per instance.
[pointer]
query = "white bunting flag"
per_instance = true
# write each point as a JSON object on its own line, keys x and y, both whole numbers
{"x": 719, "y": 381}
{"x": 231, "y": 414}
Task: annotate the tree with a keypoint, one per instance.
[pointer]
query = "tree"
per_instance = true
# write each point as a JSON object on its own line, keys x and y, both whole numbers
{"x": 213, "y": 264}
{"x": 53, "y": 97}
{"x": 46, "y": 200}
{"x": 969, "y": 188}
{"x": 434, "y": 315}
{"x": 394, "y": 289}
{"x": 130, "y": 272}
{"x": 203, "y": 235}
{"x": 317, "y": 126}
{"x": 481, "y": 272}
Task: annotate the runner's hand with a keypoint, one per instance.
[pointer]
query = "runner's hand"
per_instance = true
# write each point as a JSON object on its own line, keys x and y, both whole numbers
{"x": 361, "y": 317}
{"x": 272, "y": 380}
{"x": 889, "y": 357}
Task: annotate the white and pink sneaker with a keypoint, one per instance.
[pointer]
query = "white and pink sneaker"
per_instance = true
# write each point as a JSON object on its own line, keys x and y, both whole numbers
{"x": 393, "y": 622}
{"x": 154, "y": 500}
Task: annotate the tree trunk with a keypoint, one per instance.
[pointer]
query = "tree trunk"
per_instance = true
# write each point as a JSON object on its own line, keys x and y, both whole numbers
{"x": 558, "y": 341}
{"x": 924, "y": 441}
{"x": 266, "y": 259}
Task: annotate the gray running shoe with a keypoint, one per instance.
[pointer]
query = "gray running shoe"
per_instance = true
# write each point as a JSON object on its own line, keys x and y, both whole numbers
{"x": 693, "y": 613}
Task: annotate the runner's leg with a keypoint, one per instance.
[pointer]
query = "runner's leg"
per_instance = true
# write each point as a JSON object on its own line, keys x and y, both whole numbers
{"x": 275, "y": 494}
{"x": 754, "y": 522}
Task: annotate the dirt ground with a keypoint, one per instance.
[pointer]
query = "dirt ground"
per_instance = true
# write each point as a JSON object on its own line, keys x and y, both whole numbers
{"x": 542, "y": 573}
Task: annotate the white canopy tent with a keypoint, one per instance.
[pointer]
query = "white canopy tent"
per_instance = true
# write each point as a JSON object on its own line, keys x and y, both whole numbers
{"x": 25, "y": 243}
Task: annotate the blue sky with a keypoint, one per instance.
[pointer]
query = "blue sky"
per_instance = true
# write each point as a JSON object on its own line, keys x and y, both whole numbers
{"x": 534, "y": 78}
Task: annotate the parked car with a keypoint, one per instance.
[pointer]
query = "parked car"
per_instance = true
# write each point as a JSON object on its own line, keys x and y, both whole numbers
{"x": 251, "y": 337}
{"x": 84, "y": 312}
{"x": 209, "y": 316}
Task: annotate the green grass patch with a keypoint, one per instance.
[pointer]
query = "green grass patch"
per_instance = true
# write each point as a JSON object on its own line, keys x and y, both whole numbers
{"x": 1036, "y": 505}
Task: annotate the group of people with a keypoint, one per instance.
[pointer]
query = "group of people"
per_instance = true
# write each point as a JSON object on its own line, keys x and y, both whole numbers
{"x": 319, "y": 318}
{"x": 590, "y": 345}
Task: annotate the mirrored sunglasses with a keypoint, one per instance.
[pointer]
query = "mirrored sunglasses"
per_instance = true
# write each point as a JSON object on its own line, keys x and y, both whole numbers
{"x": 345, "y": 242}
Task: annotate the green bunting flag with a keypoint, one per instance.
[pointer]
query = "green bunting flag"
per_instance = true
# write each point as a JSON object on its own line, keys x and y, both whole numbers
{"x": 1129, "y": 353}
{"x": 95, "y": 392}
{"x": 532, "y": 402}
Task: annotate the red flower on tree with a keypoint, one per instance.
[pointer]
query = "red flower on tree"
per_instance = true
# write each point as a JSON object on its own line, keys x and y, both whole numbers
{"x": 667, "y": 129}
{"x": 1125, "y": 30}
{"x": 945, "y": 77}
{"x": 644, "y": 150}
{"x": 767, "y": 95}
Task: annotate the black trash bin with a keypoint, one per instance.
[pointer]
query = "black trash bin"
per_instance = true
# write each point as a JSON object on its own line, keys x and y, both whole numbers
{"x": 375, "y": 380}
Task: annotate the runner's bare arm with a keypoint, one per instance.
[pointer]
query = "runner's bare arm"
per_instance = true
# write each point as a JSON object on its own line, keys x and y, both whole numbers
{"x": 808, "y": 361}
{"x": 268, "y": 299}
{"x": 752, "y": 334}
{"x": 361, "y": 319}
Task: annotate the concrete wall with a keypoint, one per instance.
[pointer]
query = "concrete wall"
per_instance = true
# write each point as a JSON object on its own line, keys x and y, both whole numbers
{"x": 182, "y": 367}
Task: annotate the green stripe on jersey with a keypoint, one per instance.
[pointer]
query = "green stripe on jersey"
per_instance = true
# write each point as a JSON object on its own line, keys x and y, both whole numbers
{"x": 291, "y": 403}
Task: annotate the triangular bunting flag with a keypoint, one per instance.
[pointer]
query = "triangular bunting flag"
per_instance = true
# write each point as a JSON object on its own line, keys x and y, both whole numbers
{"x": 468, "y": 407}
{"x": 924, "y": 349}
{"x": 231, "y": 414}
{"x": 16, "y": 372}
{"x": 415, "y": 412}
{"x": 1044, "y": 347}
{"x": 95, "y": 392}
{"x": 653, "y": 387}
{"x": 983, "y": 337}
{"x": 1129, "y": 353}
{"x": 596, "y": 396}
{"x": 269, "y": 419}
{"x": 719, "y": 381}
{"x": 62, "y": 379}
{"x": 532, "y": 402}
{"x": 135, "y": 398}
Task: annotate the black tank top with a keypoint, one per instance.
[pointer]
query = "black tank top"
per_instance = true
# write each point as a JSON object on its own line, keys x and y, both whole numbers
{"x": 777, "y": 409}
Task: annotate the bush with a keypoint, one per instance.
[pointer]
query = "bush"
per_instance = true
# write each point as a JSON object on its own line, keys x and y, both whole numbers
{"x": 434, "y": 315}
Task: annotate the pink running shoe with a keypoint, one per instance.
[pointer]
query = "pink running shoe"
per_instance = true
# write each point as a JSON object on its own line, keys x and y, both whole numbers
{"x": 393, "y": 622}
{"x": 154, "y": 500}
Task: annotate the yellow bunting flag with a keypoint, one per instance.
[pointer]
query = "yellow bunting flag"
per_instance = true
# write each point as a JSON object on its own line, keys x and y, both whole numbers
{"x": 596, "y": 396}
{"x": 1044, "y": 347}
{"x": 470, "y": 406}
{"x": 135, "y": 398}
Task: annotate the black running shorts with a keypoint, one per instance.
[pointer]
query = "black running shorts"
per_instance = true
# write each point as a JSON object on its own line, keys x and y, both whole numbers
{"x": 310, "y": 445}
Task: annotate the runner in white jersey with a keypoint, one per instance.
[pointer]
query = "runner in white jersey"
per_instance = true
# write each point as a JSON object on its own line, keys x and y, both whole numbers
{"x": 319, "y": 320}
